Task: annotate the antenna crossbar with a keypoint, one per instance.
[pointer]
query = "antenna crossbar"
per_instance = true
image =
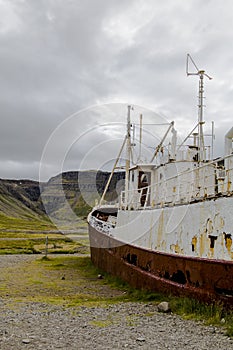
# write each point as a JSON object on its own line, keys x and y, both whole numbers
{"x": 201, "y": 73}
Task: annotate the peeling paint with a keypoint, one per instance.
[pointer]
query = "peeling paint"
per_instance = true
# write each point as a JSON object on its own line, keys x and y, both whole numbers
{"x": 202, "y": 244}
{"x": 228, "y": 241}
{"x": 179, "y": 225}
{"x": 218, "y": 222}
{"x": 194, "y": 244}
{"x": 209, "y": 226}
{"x": 177, "y": 248}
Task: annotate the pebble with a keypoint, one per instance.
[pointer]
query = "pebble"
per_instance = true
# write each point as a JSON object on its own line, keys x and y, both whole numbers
{"x": 140, "y": 339}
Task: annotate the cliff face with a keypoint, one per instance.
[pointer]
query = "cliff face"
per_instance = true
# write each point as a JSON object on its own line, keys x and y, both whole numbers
{"x": 79, "y": 188}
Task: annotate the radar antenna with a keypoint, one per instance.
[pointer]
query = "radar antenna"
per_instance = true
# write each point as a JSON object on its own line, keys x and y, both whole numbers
{"x": 201, "y": 73}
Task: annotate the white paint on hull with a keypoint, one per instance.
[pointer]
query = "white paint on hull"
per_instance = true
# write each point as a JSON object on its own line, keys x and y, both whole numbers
{"x": 203, "y": 229}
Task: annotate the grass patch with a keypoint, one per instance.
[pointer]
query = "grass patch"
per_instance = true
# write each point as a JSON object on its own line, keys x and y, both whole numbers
{"x": 131, "y": 294}
{"x": 25, "y": 223}
{"x": 211, "y": 314}
{"x": 37, "y": 246}
{"x": 27, "y": 236}
{"x": 34, "y": 243}
{"x": 101, "y": 323}
{"x": 72, "y": 281}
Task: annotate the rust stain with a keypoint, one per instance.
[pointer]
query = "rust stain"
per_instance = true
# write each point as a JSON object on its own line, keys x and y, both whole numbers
{"x": 211, "y": 253}
{"x": 205, "y": 279}
{"x": 202, "y": 243}
{"x": 176, "y": 248}
{"x": 172, "y": 247}
{"x": 194, "y": 244}
{"x": 209, "y": 226}
{"x": 228, "y": 241}
{"x": 218, "y": 222}
{"x": 228, "y": 181}
{"x": 160, "y": 229}
{"x": 163, "y": 245}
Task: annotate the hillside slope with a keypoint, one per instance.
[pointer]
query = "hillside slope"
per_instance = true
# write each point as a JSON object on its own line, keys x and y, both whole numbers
{"x": 20, "y": 206}
{"x": 21, "y": 201}
{"x": 24, "y": 193}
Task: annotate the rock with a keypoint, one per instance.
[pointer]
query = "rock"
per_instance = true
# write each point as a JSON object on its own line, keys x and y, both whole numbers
{"x": 164, "y": 307}
{"x": 100, "y": 277}
{"x": 26, "y": 341}
{"x": 140, "y": 339}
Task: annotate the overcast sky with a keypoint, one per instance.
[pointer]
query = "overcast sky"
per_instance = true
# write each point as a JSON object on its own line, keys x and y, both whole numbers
{"x": 60, "y": 57}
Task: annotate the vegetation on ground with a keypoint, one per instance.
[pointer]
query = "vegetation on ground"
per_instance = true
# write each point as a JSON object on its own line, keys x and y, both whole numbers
{"x": 72, "y": 281}
{"x": 29, "y": 235}
{"x": 57, "y": 244}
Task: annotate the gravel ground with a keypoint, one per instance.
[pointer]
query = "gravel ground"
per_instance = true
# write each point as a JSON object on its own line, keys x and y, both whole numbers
{"x": 120, "y": 326}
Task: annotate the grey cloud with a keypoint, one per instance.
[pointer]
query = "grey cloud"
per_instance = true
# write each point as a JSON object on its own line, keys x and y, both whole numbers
{"x": 57, "y": 57}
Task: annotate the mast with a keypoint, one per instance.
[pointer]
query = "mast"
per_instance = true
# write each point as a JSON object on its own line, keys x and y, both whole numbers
{"x": 201, "y": 74}
{"x": 212, "y": 140}
{"x": 111, "y": 175}
{"x": 140, "y": 139}
{"x": 127, "y": 141}
{"x": 128, "y": 154}
{"x": 200, "y": 116}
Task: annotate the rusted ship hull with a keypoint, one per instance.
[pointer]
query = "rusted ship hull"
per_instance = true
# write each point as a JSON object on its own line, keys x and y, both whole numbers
{"x": 207, "y": 280}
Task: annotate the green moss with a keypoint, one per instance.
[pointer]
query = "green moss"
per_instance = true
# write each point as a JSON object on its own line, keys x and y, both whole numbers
{"x": 101, "y": 323}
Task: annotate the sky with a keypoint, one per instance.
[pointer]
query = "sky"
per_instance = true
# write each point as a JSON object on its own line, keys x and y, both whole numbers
{"x": 70, "y": 68}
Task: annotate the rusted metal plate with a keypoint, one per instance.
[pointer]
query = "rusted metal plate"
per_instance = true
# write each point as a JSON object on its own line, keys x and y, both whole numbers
{"x": 207, "y": 280}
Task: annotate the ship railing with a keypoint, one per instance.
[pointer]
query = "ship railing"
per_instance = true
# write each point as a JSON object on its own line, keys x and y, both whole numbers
{"x": 175, "y": 191}
{"x": 107, "y": 204}
{"x": 185, "y": 153}
{"x": 100, "y": 225}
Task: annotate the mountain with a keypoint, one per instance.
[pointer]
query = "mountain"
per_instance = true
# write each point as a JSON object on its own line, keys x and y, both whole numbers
{"x": 20, "y": 198}
{"x": 80, "y": 190}
{"x": 29, "y": 200}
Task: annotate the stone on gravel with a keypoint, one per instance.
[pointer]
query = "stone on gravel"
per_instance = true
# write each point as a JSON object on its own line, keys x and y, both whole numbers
{"x": 164, "y": 307}
{"x": 141, "y": 339}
